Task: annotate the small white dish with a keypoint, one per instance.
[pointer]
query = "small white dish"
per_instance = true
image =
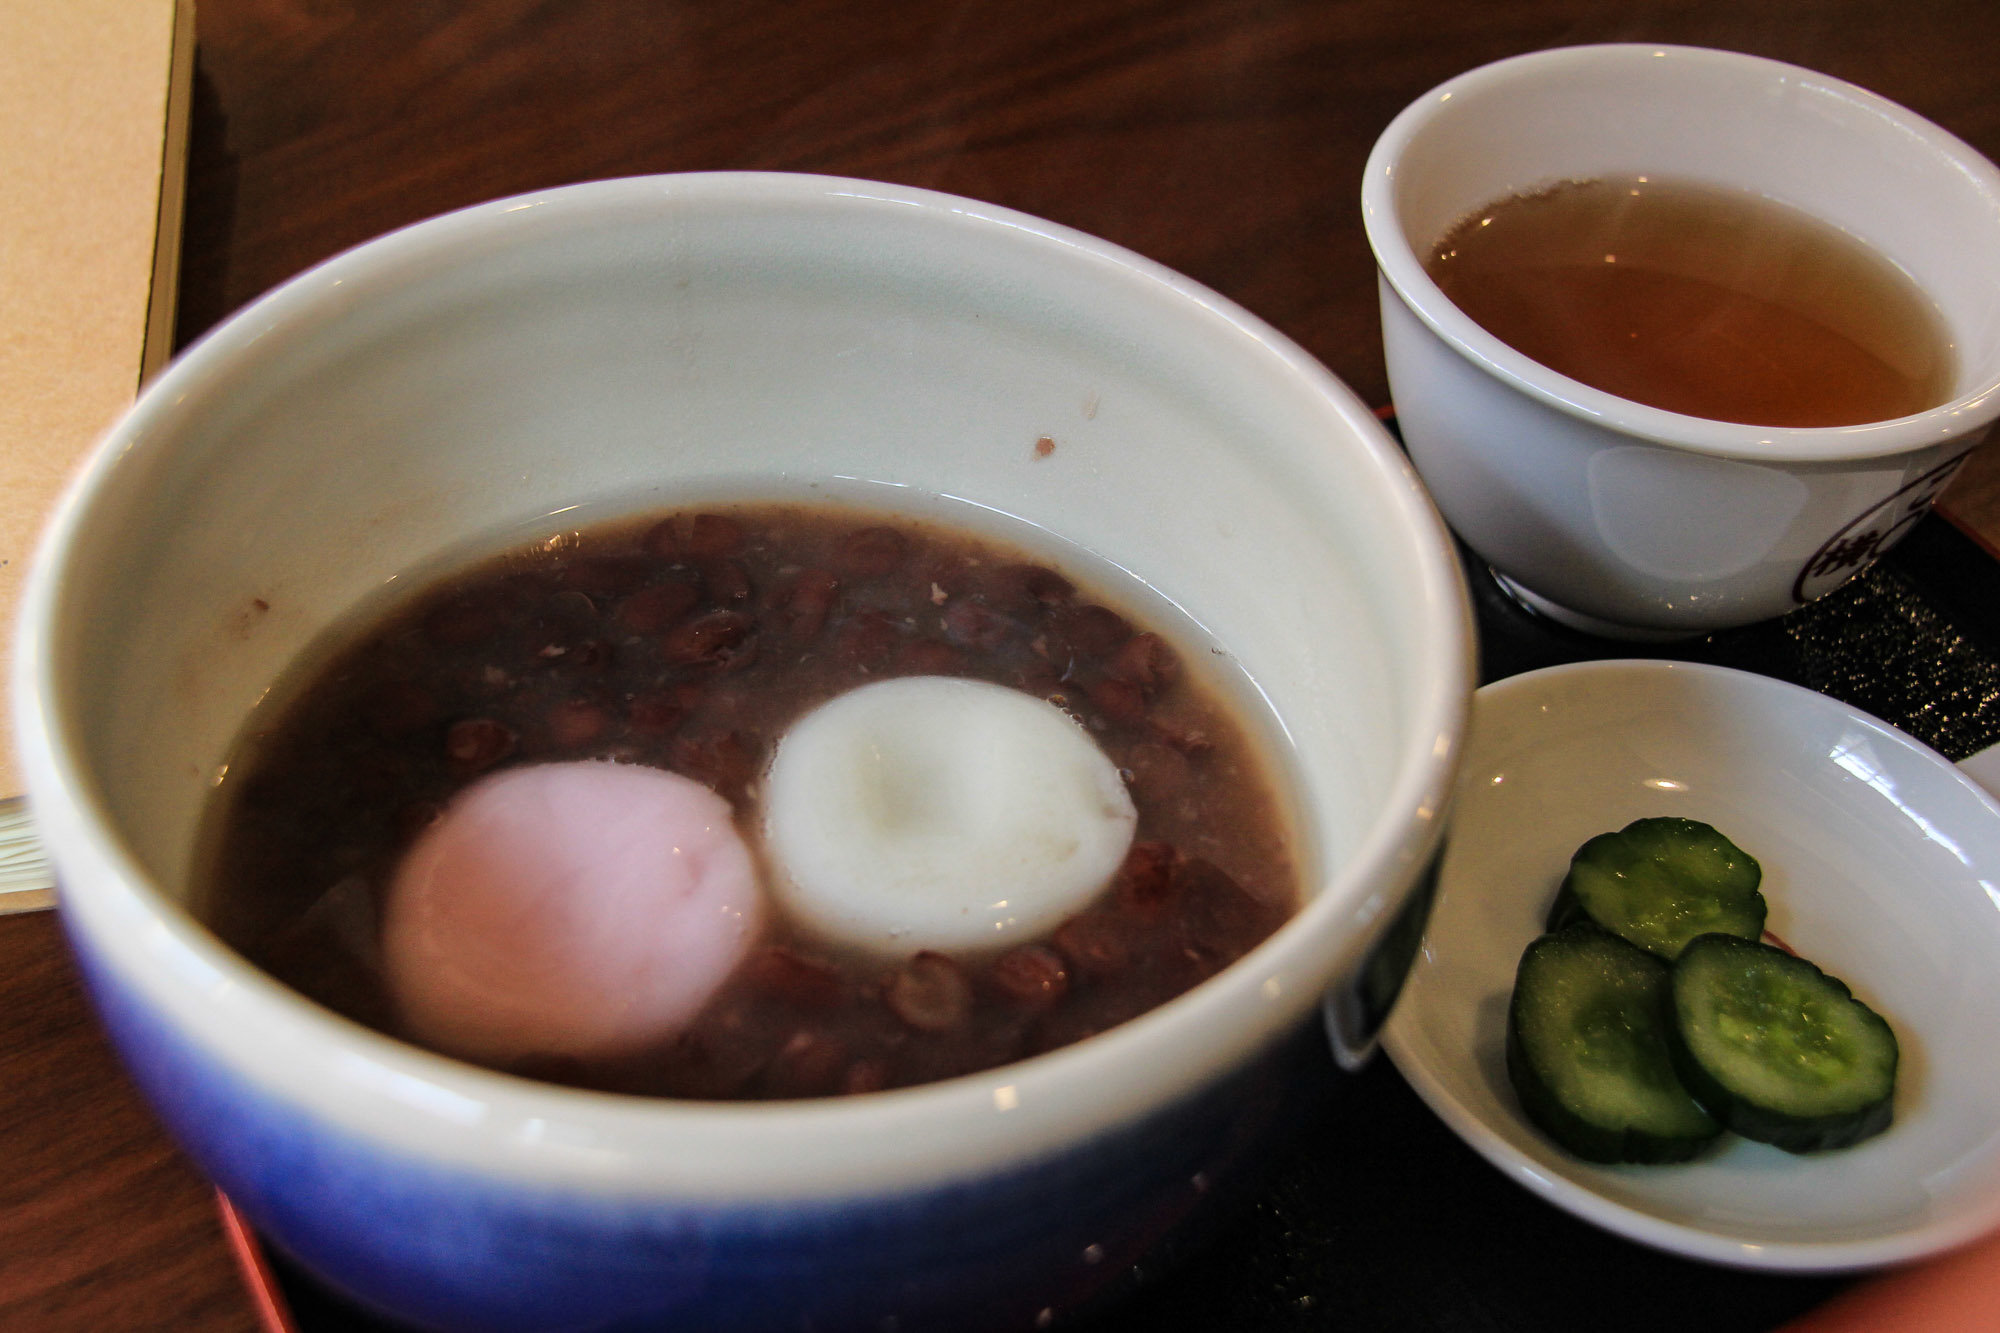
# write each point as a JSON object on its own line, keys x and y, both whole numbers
{"x": 1881, "y": 863}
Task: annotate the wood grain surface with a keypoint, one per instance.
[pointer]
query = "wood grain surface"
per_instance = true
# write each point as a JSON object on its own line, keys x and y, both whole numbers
{"x": 1224, "y": 138}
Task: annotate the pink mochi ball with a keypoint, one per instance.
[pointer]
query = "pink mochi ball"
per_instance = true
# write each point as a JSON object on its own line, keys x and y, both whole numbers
{"x": 576, "y": 909}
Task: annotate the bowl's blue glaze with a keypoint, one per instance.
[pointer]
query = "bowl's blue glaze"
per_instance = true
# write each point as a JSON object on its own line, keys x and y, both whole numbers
{"x": 463, "y": 1251}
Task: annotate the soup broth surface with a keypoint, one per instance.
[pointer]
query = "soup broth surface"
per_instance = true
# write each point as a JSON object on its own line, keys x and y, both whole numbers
{"x": 690, "y": 641}
{"x": 1699, "y": 300}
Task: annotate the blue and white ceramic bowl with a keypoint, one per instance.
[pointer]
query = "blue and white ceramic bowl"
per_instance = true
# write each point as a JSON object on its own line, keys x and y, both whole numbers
{"x": 664, "y": 337}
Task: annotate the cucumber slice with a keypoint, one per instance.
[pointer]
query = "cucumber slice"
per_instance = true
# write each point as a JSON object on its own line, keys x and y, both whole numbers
{"x": 1778, "y": 1050}
{"x": 1661, "y": 882}
{"x": 1587, "y": 1051}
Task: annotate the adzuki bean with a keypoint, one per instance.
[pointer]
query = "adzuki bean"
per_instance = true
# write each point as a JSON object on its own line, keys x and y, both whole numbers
{"x": 691, "y": 642}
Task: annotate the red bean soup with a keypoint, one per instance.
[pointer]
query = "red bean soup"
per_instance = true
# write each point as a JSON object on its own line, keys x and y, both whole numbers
{"x": 690, "y": 641}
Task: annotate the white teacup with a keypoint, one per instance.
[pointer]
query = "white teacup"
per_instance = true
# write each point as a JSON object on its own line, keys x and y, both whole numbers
{"x": 1628, "y": 520}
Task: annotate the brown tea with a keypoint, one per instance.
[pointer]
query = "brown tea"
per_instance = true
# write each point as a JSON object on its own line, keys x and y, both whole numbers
{"x": 1710, "y": 302}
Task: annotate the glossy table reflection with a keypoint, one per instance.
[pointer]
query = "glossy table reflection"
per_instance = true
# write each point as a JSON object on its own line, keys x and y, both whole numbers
{"x": 1224, "y": 138}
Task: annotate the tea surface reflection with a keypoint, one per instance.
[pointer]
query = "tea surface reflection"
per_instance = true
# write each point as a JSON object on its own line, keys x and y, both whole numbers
{"x": 1709, "y": 302}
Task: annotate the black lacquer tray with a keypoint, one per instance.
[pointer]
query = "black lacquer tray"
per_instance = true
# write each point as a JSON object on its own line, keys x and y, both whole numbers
{"x": 1371, "y": 1214}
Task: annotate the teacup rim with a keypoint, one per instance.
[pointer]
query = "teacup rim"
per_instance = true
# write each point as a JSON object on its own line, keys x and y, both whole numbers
{"x": 1803, "y": 447}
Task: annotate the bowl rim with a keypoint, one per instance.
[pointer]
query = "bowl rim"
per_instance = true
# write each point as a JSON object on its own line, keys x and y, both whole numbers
{"x": 499, "y": 1125}
{"x": 1399, "y": 266}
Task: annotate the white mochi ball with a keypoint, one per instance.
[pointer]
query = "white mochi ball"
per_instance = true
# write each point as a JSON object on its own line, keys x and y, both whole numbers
{"x": 935, "y": 813}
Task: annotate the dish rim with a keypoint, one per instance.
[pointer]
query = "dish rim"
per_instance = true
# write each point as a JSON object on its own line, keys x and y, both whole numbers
{"x": 1932, "y": 1235}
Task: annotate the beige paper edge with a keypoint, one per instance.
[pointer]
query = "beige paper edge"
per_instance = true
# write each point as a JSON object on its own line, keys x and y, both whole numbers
{"x": 96, "y": 96}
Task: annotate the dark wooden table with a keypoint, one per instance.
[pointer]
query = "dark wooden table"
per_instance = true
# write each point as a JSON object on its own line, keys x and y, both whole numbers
{"x": 1224, "y": 138}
